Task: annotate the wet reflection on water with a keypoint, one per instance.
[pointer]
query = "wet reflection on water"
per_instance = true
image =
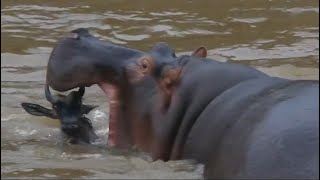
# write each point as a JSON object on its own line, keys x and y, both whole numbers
{"x": 277, "y": 37}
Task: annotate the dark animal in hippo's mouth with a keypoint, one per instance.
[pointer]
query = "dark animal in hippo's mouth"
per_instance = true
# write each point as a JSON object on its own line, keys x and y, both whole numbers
{"x": 70, "y": 111}
{"x": 238, "y": 121}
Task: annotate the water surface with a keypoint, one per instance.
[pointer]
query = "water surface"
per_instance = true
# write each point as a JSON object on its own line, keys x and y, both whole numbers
{"x": 280, "y": 38}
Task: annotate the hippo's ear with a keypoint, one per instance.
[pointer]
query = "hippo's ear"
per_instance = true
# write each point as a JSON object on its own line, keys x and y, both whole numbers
{"x": 200, "y": 52}
{"x": 85, "y": 109}
{"x": 37, "y": 110}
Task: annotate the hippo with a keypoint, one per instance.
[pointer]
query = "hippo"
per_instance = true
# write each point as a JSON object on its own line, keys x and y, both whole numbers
{"x": 236, "y": 120}
{"x": 70, "y": 111}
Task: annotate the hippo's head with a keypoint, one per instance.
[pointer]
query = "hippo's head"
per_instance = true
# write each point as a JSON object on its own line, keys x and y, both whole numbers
{"x": 127, "y": 76}
{"x": 69, "y": 110}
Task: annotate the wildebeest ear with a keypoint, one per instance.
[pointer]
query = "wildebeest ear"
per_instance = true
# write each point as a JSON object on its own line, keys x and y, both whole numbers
{"x": 37, "y": 110}
{"x": 85, "y": 109}
{"x": 200, "y": 52}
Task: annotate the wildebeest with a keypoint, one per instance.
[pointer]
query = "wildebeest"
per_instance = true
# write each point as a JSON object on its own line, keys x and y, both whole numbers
{"x": 70, "y": 111}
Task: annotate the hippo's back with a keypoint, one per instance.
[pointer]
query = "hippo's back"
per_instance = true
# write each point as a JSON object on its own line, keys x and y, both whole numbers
{"x": 281, "y": 134}
{"x": 264, "y": 128}
{"x": 285, "y": 143}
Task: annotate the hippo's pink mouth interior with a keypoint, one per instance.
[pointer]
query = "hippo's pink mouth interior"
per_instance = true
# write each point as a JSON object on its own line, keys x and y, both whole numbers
{"x": 114, "y": 104}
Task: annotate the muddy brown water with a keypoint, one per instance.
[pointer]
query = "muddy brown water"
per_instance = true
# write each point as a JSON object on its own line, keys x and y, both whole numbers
{"x": 280, "y": 38}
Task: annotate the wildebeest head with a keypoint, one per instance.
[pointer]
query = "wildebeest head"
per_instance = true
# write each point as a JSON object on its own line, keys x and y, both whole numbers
{"x": 69, "y": 110}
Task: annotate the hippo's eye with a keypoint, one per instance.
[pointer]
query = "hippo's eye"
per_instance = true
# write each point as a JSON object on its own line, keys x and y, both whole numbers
{"x": 144, "y": 65}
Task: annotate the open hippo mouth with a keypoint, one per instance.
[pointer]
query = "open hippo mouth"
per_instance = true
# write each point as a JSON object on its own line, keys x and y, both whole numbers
{"x": 84, "y": 60}
{"x": 112, "y": 93}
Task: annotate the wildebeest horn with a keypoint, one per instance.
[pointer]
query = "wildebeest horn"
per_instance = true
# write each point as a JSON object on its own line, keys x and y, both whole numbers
{"x": 49, "y": 96}
{"x": 81, "y": 91}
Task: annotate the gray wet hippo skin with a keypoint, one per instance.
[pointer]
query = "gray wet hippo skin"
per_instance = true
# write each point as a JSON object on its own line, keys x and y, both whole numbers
{"x": 70, "y": 111}
{"x": 239, "y": 122}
